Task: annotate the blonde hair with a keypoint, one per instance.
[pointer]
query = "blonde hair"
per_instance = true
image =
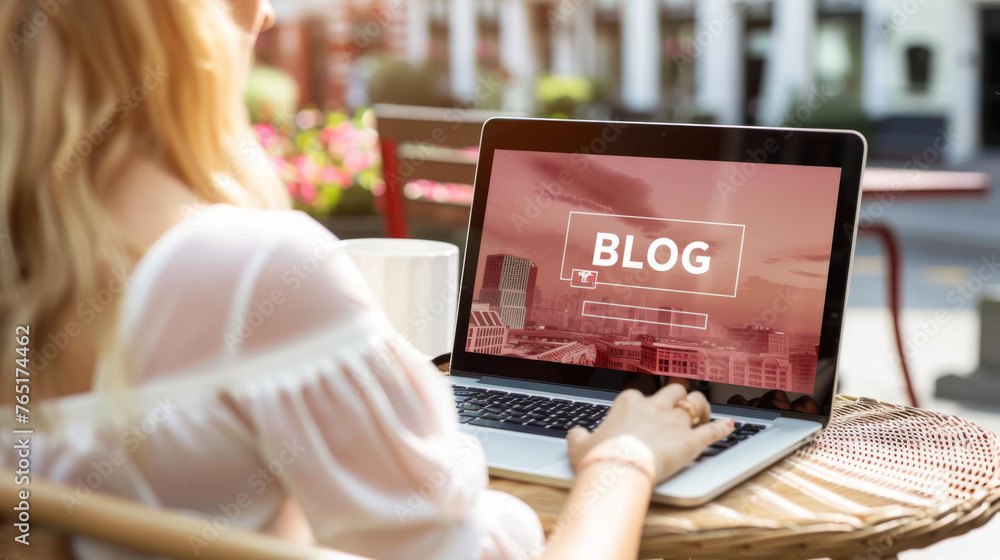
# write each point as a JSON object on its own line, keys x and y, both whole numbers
{"x": 86, "y": 86}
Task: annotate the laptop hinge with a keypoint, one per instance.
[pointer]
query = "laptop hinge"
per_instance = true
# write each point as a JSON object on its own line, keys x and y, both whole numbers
{"x": 725, "y": 410}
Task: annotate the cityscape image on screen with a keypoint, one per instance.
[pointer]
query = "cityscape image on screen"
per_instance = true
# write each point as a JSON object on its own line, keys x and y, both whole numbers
{"x": 704, "y": 270}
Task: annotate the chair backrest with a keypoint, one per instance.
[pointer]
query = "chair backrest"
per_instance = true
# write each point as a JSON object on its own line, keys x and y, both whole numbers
{"x": 420, "y": 143}
{"x": 134, "y": 526}
{"x": 906, "y": 136}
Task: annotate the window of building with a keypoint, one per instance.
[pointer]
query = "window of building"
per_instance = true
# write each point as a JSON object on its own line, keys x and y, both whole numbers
{"x": 918, "y": 68}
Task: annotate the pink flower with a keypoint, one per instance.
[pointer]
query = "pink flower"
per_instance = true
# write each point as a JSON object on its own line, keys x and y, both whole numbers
{"x": 368, "y": 138}
{"x": 267, "y": 135}
{"x": 357, "y": 161}
{"x": 328, "y": 175}
{"x": 305, "y": 167}
{"x": 279, "y": 163}
{"x": 341, "y": 134}
{"x": 308, "y": 191}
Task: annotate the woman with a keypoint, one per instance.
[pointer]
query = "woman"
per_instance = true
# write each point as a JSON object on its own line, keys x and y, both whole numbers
{"x": 196, "y": 345}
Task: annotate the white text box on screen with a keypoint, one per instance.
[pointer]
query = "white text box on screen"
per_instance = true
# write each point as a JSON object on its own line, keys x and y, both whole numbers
{"x": 704, "y": 258}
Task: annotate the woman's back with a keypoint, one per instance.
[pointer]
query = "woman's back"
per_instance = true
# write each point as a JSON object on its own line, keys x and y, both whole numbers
{"x": 263, "y": 374}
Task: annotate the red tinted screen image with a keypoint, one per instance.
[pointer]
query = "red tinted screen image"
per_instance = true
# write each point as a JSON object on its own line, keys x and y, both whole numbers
{"x": 706, "y": 270}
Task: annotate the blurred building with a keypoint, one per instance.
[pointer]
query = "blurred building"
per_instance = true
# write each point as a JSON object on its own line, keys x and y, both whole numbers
{"x": 759, "y": 340}
{"x": 772, "y": 371}
{"x": 569, "y": 353}
{"x": 644, "y": 322}
{"x": 916, "y": 72}
{"x": 675, "y": 324}
{"x": 487, "y": 335}
{"x": 803, "y": 370}
{"x": 507, "y": 281}
{"x": 622, "y": 355}
{"x": 550, "y": 317}
{"x": 531, "y": 291}
{"x": 535, "y": 301}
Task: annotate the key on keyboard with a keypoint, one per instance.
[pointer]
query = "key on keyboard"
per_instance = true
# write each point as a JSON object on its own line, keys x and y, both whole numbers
{"x": 741, "y": 432}
{"x": 533, "y": 414}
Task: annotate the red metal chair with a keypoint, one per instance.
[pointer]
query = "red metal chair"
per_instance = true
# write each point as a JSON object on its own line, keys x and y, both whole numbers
{"x": 427, "y": 143}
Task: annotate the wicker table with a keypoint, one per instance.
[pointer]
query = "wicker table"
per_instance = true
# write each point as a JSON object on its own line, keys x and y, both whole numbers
{"x": 879, "y": 480}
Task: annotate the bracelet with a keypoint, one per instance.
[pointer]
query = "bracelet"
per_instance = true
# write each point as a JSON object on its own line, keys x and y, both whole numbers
{"x": 625, "y": 449}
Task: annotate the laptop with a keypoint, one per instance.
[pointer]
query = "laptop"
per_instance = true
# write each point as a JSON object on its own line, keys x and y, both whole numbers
{"x": 603, "y": 256}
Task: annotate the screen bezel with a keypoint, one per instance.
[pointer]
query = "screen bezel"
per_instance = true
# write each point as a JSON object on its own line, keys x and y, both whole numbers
{"x": 845, "y": 150}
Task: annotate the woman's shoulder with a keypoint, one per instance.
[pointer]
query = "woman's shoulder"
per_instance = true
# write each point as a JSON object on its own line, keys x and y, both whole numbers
{"x": 228, "y": 280}
{"x": 219, "y": 238}
{"x": 209, "y": 222}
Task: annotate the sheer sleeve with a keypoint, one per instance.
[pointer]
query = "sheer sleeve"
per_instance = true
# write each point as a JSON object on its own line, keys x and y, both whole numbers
{"x": 359, "y": 428}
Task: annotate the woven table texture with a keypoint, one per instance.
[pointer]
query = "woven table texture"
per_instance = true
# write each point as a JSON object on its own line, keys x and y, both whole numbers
{"x": 878, "y": 480}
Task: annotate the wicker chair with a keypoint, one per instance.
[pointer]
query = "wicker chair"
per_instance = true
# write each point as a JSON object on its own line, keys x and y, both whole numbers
{"x": 130, "y": 525}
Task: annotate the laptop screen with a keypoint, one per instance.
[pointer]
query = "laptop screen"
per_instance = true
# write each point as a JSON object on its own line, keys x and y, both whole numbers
{"x": 706, "y": 270}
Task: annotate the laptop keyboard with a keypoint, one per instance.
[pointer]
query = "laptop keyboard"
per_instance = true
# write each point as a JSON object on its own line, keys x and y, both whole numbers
{"x": 546, "y": 416}
{"x": 525, "y": 413}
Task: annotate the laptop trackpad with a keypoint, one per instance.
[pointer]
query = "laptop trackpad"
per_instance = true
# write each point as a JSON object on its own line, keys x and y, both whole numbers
{"x": 523, "y": 451}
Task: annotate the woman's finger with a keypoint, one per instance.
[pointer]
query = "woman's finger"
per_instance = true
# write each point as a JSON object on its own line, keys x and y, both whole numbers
{"x": 628, "y": 395}
{"x": 577, "y": 435}
{"x": 702, "y": 410}
{"x": 709, "y": 433}
{"x": 668, "y": 397}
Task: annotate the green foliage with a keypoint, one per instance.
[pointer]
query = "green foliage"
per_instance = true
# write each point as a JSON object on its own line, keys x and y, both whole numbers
{"x": 404, "y": 83}
{"x": 271, "y": 95}
{"x": 833, "y": 112}
{"x": 562, "y": 96}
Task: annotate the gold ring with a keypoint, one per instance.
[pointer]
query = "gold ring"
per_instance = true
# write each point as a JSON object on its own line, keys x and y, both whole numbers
{"x": 688, "y": 406}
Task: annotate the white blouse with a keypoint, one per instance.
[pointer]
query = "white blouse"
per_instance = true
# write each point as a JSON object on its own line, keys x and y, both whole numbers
{"x": 263, "y": 371}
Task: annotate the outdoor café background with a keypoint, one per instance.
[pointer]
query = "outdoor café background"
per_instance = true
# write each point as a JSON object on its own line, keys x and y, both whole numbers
{"x": 903, "y": 72}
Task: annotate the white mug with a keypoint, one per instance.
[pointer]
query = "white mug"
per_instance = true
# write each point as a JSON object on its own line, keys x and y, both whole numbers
{"x": 416, "y": 281}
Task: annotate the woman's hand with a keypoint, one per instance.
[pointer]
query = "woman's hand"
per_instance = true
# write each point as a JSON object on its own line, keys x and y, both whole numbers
{"x": 653, "y": 433}
{"x": 657, "y": 422}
